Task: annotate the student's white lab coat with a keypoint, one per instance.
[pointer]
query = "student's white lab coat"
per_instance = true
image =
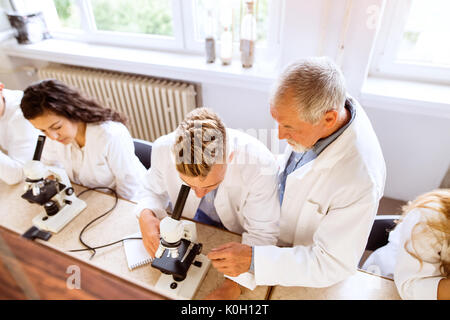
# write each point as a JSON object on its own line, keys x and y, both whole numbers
{"x": 106, "y": 160}
{"x": 327, "y": 213}
{"x": 18, "y": 139}
{"x": 413, "y": 279}
{"x": 246, "y": 200}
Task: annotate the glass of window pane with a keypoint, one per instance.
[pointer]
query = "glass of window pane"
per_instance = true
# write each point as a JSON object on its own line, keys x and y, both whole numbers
{"x": 425, "y": 36}
{"x": 262, "y": 14}
{"x": 261, "y": 11}
{"x": 68, "y": 13}
{"x": 137, "y": 16}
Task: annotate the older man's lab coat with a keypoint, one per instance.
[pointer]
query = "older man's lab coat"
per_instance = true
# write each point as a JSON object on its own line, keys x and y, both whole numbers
{"x": 327, "y": 213}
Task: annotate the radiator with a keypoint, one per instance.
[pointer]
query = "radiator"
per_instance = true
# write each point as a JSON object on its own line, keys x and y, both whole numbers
{"x": 154, "y": 107}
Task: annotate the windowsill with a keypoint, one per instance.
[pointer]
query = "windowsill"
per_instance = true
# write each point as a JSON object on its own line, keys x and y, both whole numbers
{"x": 406, "y": 96}
{"x": 153, "y": 63}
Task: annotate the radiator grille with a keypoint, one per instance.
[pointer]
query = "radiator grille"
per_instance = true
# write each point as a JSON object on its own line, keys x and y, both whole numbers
{"x": 154, "y": 107}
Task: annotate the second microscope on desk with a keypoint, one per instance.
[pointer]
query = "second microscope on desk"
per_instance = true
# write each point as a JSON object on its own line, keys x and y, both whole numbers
{"x": 50, "y": 188}
{"x": 181, "y": 275}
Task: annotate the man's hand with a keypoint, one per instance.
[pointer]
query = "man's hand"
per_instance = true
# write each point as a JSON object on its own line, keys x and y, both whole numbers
{"x": 232, "y": 258}
{"x": 229, "y": 290}
{"x": 149, "y": 225}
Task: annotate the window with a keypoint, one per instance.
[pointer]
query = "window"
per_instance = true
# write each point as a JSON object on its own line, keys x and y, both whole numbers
{"x": 261, "y": 14}
{"x": 137, "y": 23}
{"x": 161, "y": 24}
{"x": 413, "y": 41}
{"x": 151, "y": 17}
{"x": 137, "y": 16}
{"x": 68, "y": 13}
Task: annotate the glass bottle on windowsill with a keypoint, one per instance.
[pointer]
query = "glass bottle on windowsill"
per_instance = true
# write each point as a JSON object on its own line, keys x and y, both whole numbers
{"x": 210, "y": 42}
{"x": 248, "y": 36}
{"x": 226, "y": 46}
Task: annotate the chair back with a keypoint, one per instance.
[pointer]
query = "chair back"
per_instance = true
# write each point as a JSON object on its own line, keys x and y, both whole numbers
{"x": 379, "y": 235}
{"x": 143, "y": 150}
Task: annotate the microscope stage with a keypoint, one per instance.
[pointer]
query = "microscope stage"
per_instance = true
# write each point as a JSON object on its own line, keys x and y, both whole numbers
{"x": 187, "y": 288}
{"x": 178, "y": 267}
{"x": 48, "y": 191}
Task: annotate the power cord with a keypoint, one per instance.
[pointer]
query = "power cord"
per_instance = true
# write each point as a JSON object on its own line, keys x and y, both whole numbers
{"x": 88, "y": 247}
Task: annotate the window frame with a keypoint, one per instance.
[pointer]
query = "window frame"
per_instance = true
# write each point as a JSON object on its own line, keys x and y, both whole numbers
{"x": 184, "y": 29}
{"x": 90, "y": 34}
{"x": 384, "y": 62}
{"x": 193, "y": 44}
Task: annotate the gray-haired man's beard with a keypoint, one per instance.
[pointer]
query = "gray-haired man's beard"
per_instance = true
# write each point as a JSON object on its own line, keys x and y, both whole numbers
{"x": 297, "y": 147}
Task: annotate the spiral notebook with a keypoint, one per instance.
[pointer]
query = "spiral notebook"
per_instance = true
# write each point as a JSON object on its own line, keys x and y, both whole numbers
{"x": 135, "y": 252}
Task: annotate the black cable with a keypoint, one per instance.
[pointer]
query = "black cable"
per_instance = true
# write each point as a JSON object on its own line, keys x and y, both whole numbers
{"x": 88, "y": 247}
{"x": 105, "y": 245}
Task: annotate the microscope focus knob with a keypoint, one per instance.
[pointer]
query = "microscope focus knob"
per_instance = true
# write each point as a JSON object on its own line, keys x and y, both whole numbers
{"x": 51, "y": 208}
{"x": 69, "y": 191}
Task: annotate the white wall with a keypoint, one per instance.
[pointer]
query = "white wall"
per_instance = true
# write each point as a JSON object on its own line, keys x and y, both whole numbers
{"x": 343, "y": 30}
{"x": 239, "y": 107}
{"x": 4, "y": 24}
{"x": 416, "y": 149}
{"x": 246, "y": 110}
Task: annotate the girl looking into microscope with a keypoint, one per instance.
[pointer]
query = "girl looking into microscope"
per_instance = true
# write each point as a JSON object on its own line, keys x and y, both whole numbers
{"x": 418, "y": 252}
{"x": 89, "y": 141}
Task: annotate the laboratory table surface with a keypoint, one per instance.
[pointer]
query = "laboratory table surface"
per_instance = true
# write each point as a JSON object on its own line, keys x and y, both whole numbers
{"x": 17, "y": 213}
{"x": 109, "y": 264}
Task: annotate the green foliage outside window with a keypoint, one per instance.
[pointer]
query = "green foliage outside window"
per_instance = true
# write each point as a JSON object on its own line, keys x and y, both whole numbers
{"x": 137, "y": 16}
{"x": 68, "y": 14}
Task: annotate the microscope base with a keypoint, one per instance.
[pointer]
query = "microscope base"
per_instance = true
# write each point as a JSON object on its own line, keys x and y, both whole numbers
{"x": 186, "y": 289}
{"x": 64, "y": 216}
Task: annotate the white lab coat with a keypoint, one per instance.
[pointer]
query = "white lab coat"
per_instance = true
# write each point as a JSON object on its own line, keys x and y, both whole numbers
{"x": 18, "y": 138}
{"x": 106, "y": 160}
{"x": 413, "y": 279}
{"x": 327, "y": 213}
{"x": 246, "y": 200}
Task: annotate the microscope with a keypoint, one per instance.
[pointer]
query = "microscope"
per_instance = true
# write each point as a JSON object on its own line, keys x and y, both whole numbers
{"x": 50, "y": 188}
{"x": 178, "y": 248}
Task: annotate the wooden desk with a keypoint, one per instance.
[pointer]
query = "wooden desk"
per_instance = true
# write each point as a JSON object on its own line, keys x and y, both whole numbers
{"x": 16, "y": 215}
{"x": 30, "y": 270}
{"x": 360, "y": 286}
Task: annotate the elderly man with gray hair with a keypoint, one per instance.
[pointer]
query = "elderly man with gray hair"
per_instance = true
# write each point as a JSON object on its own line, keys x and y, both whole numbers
{"x": 331, "y": 179}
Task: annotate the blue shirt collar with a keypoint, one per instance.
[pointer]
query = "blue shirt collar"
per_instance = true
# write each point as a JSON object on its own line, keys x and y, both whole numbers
{"x": 321, "y": 144}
